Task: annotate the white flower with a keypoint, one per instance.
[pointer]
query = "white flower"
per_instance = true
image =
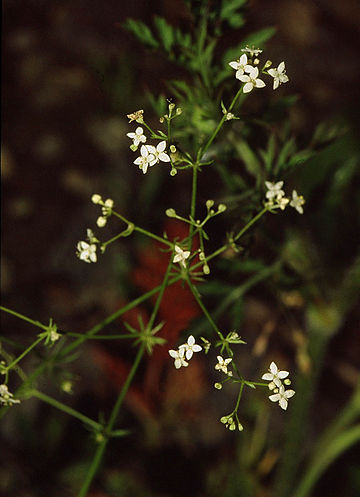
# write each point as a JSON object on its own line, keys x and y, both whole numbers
{"x": 178, "y": 355}
{"x": 274, "y": 190}
{"x": 136, "y": 116}
{"x": 252, "y": 51}
{"x": 159, "y": 152}
{"x": 282, "y": 397}
{"x": 241, "y": 66}
{"x": 137, "y": 137}
{"x": 6, "y": 397}
{"x": 278, "y": 75}
{"x": 274, "y": 375}
{"x": 222, "y": 365}
{"x": 190, "y": 347}
{"x": 282, "y": 202}
{"x": 181, "y": 255}
{"x": 251, "y": 81}
{"x": 146, "y": 159}
{"x": 86, "y": 251}
{"x": 96, "y": 198}
{"x": 297, "y": 202}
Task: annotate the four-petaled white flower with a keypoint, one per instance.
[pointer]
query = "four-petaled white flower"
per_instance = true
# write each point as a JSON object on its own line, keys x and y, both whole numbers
{"x": 86, "y": 251}
{"x": 252, "y": 51}
{"x": 145, "y": 159}
{"x": 282, "y": 397}
{"x": 297, "y": 202}
{"x": 222, "y": 365}
{"x": 6, "y": 397}
{"x": 190, "y": 347}
{"x": 181, "y": 255}
{"x": 274, "y": 375}
{"x": 137, "y": 137}
{"x": 159, "y": 152}
{"x": 241, "y": 66}
{"x": 279, "y": 75}
{"x": 274, "y": 190}
{"x": 251, "y": 80}
{"x": 178, "y": 355}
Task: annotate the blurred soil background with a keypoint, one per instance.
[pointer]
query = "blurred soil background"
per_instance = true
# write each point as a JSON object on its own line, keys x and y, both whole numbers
{"x": 70, "y": 74}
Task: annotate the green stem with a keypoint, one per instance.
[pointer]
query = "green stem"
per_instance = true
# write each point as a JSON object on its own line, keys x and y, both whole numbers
{"x": 21, "y": 356}
{"x": 141, "y": 230}
{"x": 69, "y": 410}
{"x": 203, "y": 308}
{"x": 219, "y": 126}
{"x": 193, "y": 203}
{"x": 113, "y": 416}
{"x": 161, "y": 293}
{"x": 250, "y": 223}
{"x": 24, "y": 318}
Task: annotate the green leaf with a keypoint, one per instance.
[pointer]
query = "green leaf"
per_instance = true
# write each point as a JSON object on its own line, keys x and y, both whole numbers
{"x": 228, "y": 12}
{"x": 141, "y": 31}
{"x": 165, "y": 32}
{"x": 249, "y": 158}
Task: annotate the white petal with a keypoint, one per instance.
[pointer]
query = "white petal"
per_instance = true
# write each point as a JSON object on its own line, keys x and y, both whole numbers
{"x": 173, "y": 353}
{"x": 164, "y": 157}
{"x": 234, "y": 64}
{"x": 244, "y": 78}
{"x": 283, "y": 374}
{"x": 276, "y": 83}
{"x": 272, "y": 72}
{"x": 259, "y": 83}
{"x": 281, "y": 67}
{"x": 289, "y": 393}
{"x": 243, "y": 59}
{"x": 131, "y": 135}
{"x": 161, "y": 146}
{"x": 191, "y": 340}
{"x": 197, "y": 348}
{"x": 177, "y": 258}
{"x": 273, "y": 368}
{"x": 274, "y": 398}
{"x": 283, "y": 403}
{"x": 254, "y": 72}
{"x": 267, "y": 377}
{"x": 248, "y": 68}
{"x": 248, "y": 87}
{"x": 189, "y": 354}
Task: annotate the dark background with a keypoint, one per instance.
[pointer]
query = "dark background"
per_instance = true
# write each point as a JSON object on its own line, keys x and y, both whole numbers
{"x": 70, "y": 74}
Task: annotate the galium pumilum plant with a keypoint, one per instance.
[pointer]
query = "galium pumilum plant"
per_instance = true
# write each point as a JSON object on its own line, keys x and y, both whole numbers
{"x": 177, "y": 148}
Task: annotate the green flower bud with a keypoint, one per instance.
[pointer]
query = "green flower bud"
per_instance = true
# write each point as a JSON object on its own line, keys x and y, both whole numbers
{"x": 170, "y": 212}
{"x": 218, "y": 386}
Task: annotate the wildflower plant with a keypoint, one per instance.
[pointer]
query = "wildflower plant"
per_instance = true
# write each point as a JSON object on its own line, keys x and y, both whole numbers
{"x": 190, "y": 139}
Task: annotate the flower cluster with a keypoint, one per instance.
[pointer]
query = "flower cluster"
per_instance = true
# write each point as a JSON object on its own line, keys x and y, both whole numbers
{"x": 275, "y": 196}
{"x": 275, "y": 377}
{"x": 86, "y": 251}
{"x": 185, "y": 351}
{"x": 231, "y": 421}
{"x": 149, "y": 154}
{"x": 51, "y": 335}
{"x": 6, "y": 397}
{"x": 106, "y": 208}
{"x": 248, "y": 73}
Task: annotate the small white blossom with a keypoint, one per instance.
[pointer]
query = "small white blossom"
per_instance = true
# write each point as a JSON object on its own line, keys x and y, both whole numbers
{"x": 279, "y": 75}
{"x": 190, "y": 347}
{"x": 252, "y": 51}
{"x": 96, "y": 198}
{"x": 274, "y": 190}
{"x": 146, "y": 159}
{"x": 297, "y": 202}
{"x": 178, "y": 355}
{"x": 106, "y": 209}
{"x": 181, "y": 255}
{"x": 282, "y": 397}
{"x": 222, "y": 365}
{"x": 241, "y": 66}
{"x": 86, "y": 251}
{"x": 137, "y": 137}
{"x": 251, "y": 81}
{"x": 136, "y": 116}
{"x": 6, "y": 397}
{"x": 274, "y": 375}
{"x": 159, "y": 152}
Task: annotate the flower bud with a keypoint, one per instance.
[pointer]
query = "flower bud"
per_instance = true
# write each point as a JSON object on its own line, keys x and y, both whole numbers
{"x": 101, "y": 221}
{"x": 209, "y": 204}
{"x": 218, "y": 386}
{"x": 171, "y": 107}
{"x": 206, "y": 269}
{"x": 172, "y": 149}
{"x": 173, "y": 172}
{"x": 222, "y": 207}
{"x": 96, "y": 198}
{"x": 179, "y": 111}
{"x": 170, "y": 212}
